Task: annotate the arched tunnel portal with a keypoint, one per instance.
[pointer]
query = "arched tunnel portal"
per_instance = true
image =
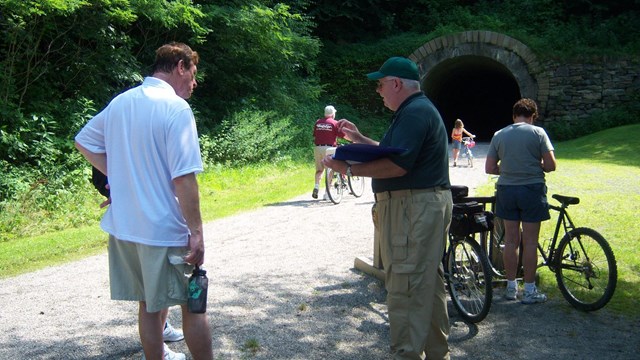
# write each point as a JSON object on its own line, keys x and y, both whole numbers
{"x": 476, "y": 90}
{"x": 477, "y": 76}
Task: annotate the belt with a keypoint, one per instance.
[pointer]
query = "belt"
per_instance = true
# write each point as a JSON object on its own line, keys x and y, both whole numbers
{"x": 384, "y": 195}
{"x": 324, "y": 145}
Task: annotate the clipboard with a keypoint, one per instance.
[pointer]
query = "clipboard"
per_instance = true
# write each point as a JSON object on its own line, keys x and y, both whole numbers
{"x": 364, "y": 152}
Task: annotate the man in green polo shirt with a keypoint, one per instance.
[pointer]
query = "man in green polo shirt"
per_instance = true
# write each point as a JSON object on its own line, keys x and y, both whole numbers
{"x": 412, "y": 211}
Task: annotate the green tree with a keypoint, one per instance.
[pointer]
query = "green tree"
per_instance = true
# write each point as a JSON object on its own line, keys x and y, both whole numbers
{"x": 258, "y": 57}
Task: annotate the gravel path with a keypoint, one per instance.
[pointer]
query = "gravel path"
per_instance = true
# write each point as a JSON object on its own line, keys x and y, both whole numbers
{"x": 282, "y": 278}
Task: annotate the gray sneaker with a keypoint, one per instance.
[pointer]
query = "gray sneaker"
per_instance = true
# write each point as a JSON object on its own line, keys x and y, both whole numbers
{"x": 533, "y": 297}
{"x": 511, "y": 293}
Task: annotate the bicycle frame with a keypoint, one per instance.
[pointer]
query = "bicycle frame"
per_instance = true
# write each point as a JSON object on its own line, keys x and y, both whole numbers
{"x": 564, "y": 221}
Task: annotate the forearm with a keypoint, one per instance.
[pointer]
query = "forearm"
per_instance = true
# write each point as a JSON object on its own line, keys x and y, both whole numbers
{"x": 548, "y": 162}
{"x": 358, "y": 138}
{"x": 491, "y": 166}
{"x": 378, "y": 169}
{"x": 189, "y": 198}
{"x": 351, "y": 133}
{"x": 99, "y": 161}
{"x": 366, "y": 140}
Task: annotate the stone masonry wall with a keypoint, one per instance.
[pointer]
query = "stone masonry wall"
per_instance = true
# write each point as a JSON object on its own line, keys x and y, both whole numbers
{"x": 579, "y": 90}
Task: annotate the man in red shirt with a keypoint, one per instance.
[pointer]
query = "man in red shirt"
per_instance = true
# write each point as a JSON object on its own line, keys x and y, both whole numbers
{"x": 325, "y": 132}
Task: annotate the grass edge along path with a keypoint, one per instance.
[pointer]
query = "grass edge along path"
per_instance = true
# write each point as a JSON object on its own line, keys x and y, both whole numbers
{"x": 224, "y": 191}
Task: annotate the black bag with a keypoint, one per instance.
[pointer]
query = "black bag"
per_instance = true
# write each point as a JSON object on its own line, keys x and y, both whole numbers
{"x": 459, "y": 192}
{"x": 469, "y": 218}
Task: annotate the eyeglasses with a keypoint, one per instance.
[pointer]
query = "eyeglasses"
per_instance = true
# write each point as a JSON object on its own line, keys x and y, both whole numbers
{"x": 381, "y": 83}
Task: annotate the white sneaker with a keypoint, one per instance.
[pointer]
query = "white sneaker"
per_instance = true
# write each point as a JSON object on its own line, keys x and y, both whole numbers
{"x": 170, "y": 355}
{"x": 171, "y": 334}
{"x": 511, "y": 293}
{"x": 325, "y": 197}
{"x": 533, "y": 297}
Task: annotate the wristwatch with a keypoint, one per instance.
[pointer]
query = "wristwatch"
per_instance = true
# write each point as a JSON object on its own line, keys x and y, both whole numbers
{"x": 348, "y": 172}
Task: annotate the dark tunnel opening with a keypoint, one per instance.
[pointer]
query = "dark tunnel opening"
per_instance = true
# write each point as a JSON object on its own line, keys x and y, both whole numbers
{"x": 478, "y": 90}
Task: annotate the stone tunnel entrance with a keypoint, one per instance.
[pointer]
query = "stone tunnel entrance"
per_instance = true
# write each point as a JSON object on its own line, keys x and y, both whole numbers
{"x": 477, "y": 90}
{"x": 477, "y": 76}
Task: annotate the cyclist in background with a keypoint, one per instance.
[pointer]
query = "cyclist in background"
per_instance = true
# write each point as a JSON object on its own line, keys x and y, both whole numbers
{"x": 456, "y": 139}
{"x": 325, "y": 133}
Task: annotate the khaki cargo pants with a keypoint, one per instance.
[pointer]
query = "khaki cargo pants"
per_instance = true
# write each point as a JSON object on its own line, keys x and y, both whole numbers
{"x": 411, "y": 227}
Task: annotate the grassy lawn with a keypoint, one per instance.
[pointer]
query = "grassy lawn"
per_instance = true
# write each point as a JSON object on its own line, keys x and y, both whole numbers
{"x": 603, "y": 171}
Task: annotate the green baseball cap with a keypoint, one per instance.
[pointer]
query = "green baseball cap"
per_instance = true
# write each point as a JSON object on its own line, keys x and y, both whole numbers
{"x": 397, "y": 66}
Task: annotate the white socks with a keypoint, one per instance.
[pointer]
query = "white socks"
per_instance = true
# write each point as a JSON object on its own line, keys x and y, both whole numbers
{"x": 530, "y": 287}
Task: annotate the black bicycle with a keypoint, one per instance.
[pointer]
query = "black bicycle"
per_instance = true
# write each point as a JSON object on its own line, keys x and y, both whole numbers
{"x": 582, "y": 260}
{"x": 467, "y": 270}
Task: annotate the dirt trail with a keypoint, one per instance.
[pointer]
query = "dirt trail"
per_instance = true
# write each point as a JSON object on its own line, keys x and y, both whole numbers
{"x": 283, "y": 278}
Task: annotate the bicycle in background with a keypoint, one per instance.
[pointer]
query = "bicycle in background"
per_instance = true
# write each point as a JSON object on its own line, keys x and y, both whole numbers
{"x": 468, "y": 143}
{"x": 336, "y": 183}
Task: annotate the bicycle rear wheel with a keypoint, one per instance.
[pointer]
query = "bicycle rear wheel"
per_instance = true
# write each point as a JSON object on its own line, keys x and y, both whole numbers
{"x": 356, "y": 185}
{"x": 586, "y": 269}
{"x": 334, "y": 186}
{"x": 469, "y": 279}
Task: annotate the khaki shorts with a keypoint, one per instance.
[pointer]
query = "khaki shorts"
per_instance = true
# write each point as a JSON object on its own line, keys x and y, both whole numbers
{"x": 154, "y": 274}
{"x": 319, "y": 152}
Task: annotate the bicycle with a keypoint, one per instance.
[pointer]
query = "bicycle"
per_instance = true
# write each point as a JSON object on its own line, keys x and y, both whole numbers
{"x": 467, "y": 270}
{"x": 582, "y": 260}
{"x": 468, "y": 143}
{"x": 337, "y": 183}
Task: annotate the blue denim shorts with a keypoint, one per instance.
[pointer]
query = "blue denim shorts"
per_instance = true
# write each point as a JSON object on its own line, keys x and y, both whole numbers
{"x": 456, "y": 144}
{"x": 526, "y": 203}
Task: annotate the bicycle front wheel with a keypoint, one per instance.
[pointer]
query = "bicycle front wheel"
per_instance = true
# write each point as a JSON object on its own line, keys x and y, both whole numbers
{"x": 356, "y": 185}
{"x": 586, "y": 269}
{"x": 469, "y": 279}
{"x": 493, "y": 245}
{"x": 333, "y": 182}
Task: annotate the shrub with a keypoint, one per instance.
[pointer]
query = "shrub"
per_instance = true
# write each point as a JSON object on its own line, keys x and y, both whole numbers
{"x": 35, "y": 200}
{"x": 249, "y": 136}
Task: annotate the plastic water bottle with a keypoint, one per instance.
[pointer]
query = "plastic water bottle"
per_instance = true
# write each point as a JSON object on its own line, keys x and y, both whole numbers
{"x": 197, "y": 292}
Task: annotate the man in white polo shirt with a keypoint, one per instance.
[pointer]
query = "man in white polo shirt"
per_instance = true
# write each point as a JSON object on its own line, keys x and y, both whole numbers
{"x": 146, "y": 141}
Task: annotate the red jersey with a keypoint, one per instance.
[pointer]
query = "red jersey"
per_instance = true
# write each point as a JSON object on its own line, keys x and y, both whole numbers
{"x": 325, "y": 132}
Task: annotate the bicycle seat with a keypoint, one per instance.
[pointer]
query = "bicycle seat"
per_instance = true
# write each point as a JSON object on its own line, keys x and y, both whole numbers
{"x": 566, "y": 200}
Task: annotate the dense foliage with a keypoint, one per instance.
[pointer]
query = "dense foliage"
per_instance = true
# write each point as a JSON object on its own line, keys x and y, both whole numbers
{"x": 267, "y": 69}
{"x": 551, "y": 27}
